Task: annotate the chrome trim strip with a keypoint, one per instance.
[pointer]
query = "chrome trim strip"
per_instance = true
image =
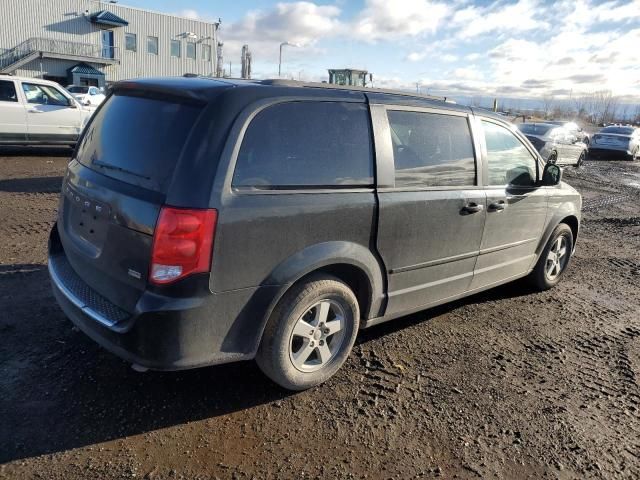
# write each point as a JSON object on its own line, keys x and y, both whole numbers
{"x": 76, "y": 301}
{"x": 432, "y": 263}
{"x": 507, "y": 245}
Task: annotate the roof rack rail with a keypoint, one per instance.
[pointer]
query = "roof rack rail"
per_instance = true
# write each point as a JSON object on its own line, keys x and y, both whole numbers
{"x": 283, "y": 82}
{"x": 297, "y": 83}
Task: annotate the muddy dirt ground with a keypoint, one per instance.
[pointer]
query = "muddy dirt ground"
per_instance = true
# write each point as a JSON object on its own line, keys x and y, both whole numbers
{"x": 505, "y": 384}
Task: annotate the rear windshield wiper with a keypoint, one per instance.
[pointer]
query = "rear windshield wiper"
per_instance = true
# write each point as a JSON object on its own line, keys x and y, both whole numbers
{"x": 119, "y": 169}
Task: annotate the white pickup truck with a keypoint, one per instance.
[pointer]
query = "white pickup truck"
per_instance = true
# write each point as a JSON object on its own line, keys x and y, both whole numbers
{"x": 34, "y": 111}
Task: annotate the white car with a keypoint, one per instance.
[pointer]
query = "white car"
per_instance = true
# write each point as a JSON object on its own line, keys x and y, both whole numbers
{"x": 34, "y": 111}
{"x": 88, "y": 96}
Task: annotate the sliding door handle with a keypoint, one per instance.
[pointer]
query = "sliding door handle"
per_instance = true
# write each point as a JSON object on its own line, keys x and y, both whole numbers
{"x": 497, "y": 206}
{"x": 471, "y": 208}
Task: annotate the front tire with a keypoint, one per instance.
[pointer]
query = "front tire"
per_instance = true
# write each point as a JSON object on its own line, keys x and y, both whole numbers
{"x": 310, "y": 333}
{"x": 554, "y": 259}
{"x": 581, "y": 159}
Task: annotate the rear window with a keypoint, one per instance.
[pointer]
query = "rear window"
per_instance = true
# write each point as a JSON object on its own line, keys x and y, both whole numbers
{"x": 618, "y": 130}
{"x": 533, "y": 129}
{"x": 137, "y": 140}
{"x": 305, "y": 145}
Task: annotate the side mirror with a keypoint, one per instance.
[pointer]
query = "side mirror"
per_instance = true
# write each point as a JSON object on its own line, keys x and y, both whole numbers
{"x": 551, "y": 175}
{"x": 71, "y": 103}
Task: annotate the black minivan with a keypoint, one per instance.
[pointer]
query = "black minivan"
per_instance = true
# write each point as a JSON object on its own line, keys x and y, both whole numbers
{"x": 205, "y": 221}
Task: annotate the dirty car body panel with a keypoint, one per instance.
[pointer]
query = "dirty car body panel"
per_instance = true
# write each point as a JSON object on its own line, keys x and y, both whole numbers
{"x": 404, "y": 236}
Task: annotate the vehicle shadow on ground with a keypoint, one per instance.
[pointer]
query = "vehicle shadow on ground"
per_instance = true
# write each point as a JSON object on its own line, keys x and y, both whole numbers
{"x": 32, "y": 185}
{"x": 35, "y": 151}
{"x": 62, "y": 391}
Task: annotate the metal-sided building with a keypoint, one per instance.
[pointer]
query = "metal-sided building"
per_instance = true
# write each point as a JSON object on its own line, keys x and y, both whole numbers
{"x": 91, "y": 42}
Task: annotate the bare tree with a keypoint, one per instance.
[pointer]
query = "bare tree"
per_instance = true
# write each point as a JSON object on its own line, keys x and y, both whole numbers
{"x": 548, "y": 101}
{"x": 623, "y": 112}
{"x": 604, "y": 106}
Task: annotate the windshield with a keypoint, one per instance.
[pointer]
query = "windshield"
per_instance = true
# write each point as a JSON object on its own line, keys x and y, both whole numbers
{"x": 137, "y": 140}
{"x": 618, "y": 130}
{"x": 534, "y": 128}
{"x": 75, "y": 89}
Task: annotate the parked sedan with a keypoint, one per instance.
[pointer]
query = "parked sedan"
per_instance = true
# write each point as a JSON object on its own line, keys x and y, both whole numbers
{"x": 34, "y": 111}
{"x": 555, "y": 144}
{"x": 574, "y": 129}
{"x": 615, "y": 142}
{"x": 89, "y": 96}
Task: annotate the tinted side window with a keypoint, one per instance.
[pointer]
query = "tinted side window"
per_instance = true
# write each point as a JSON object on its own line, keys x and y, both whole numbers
{"x": 431, "y": 150}
{"x": 306, "y": 144}
{"x": 8, "y": 91}
{"x": 509, "y": 162}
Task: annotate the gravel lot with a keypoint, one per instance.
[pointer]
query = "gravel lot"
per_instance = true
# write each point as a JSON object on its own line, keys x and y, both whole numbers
{"x": 506, "y": 384}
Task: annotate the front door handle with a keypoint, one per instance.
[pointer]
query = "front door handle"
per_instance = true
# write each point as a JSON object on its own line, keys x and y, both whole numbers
{"x": 497, "y": 206}
{"x": 36, "y": 111}
{"x": 471, "y": 208}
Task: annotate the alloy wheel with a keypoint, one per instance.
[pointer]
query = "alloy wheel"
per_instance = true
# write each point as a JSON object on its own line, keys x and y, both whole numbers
{"x": 317, "y": 336}
{"x": 557, "y": 258}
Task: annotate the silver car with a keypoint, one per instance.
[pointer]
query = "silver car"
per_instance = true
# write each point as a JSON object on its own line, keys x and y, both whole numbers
{"x": 616, "y": 142}
{"x": 556, "y": 144}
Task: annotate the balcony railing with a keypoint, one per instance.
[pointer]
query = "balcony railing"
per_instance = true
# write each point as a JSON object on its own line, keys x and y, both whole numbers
{"x": 59, "y": 47}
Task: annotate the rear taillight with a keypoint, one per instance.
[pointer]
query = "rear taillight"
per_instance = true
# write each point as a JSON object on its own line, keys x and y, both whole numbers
{"x": 182, "y": 243}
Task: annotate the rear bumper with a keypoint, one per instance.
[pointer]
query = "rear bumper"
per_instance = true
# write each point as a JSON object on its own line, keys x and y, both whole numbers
{"x": 612, "y": 152}
{"x": 165, "y": 333}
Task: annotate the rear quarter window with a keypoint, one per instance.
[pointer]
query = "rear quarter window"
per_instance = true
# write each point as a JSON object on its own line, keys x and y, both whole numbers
{"x": 137, "y": 140}
{"x": 306, "y": 145}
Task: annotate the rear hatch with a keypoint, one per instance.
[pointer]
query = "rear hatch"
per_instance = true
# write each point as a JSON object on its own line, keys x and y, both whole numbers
{"x": 611, "y": 140}
{"x": 115, "y": 187}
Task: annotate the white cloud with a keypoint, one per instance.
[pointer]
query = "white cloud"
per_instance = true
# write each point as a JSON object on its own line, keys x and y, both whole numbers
{"x": 189, "y": 13}
{"x": 386, "y": 19}
{"x": 468, "y": 73}
{"x": 299, "y": 22}
{"x": 499, "y": 17}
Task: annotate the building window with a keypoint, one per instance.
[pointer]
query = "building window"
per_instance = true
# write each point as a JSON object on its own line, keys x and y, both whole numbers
{"x": 175, "y": 48}
{"x": 131, "y": 42}
{"x": 152, "y": 45}
{"x": 191, "y": 50}
{"x": 206, "y": 53}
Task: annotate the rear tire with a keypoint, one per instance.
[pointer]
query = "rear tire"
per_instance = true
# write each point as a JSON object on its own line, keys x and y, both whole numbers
{"x": 581, "y": 159}
{"x": 310, "y": 333}
{"x": 553, "y": 158}
{"x": 554, "y": 259}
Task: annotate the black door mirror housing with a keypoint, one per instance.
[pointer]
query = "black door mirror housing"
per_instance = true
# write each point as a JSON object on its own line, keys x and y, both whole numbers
{"x": 551, "y": 175}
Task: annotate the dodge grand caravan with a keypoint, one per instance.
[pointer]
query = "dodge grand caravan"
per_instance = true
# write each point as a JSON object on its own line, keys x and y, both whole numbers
{"x": 204, "y": 221}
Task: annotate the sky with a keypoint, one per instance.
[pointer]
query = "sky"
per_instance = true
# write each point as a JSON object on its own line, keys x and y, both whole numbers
{"x": 504, "y": 48}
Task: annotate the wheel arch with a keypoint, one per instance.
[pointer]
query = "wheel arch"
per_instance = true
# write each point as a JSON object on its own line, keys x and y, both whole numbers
{"x": 352, "y": 263}
{"x": 566, "y": 216}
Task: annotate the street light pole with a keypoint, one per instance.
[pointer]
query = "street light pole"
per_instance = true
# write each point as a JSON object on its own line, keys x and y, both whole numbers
{"x": 283, "y": 44}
